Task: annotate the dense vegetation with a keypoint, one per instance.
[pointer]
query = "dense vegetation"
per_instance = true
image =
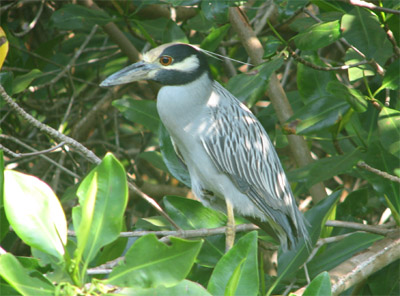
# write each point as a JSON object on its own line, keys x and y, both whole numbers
{"x": 95, "y": 201}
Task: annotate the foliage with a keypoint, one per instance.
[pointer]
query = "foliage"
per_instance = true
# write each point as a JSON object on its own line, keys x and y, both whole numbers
{"x": 340, "y": 67}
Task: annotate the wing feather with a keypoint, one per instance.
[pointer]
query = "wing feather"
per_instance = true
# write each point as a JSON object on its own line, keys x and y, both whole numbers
{"x": 239, "y": 147}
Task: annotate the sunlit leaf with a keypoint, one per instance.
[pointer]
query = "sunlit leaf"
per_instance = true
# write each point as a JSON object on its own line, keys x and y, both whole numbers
{"x": 150, "y": 263}
{"x": 19, "y": 278}
{"x": 236, "y": 273}
{"x": 103, "y": 196}
{"x": 35, "y": 213}
{"x": 320, "y": 285}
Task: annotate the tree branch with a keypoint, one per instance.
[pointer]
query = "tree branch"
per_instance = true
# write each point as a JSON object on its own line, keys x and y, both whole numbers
{"x": 371, "y": 6}
{"x": 380, "y": 173}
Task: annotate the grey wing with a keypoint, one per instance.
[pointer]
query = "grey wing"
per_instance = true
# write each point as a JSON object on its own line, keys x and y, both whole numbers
{"x": 239, "y": 146}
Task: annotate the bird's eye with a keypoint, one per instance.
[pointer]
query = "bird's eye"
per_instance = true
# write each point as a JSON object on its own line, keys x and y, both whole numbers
{"x": 165, "y": 60}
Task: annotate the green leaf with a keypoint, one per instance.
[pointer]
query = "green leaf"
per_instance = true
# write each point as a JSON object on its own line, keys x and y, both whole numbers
{"x": 360, "y": 71}
{"x": 318, "y": 36}
{"x": 389, "y": 130}
{"x": 271, "y": 46}
{"x": 249, "y": 87}
{"x": 191, "y": 214}
{"x": 316, "y": 171}
{"x": 377, "y": 157}
{"x": 341, "y": 251}
{"x": 392, "y": 76}
{"x": 317, "y": 115}
{"x": 321, "y": 285}
{"x": 236, "y": 273}
{"x": 98, "y": 219}
{"x": 184, "y": 287}
{"x": 137, "y": 111}
{"x": 21, "y": 82}
{"x": 312, "y": 83}
{"x": 362, "y": 29}
{"x": 18, "y": 277}
{"x": 35, "y": 213}
{"x": 155, "y": 158}
{"x": 212, "y": 40}
{"x": 173, "y": 33}
{"x": 353, "y": 96}
{"x": 215, "y": 10}
{"x": 162, "y": 29}
{"x": 150, "y": 263}
{"x": 174, "y": 164}
{"x": 75, "y": 17}
{"x": 290, "y": 261}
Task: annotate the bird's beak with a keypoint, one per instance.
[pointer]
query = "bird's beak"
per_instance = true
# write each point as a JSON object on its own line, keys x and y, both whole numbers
{"x": 135, "y": 72}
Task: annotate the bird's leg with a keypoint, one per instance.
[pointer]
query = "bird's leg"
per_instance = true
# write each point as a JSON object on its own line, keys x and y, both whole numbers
{"x": 230, "y": 226}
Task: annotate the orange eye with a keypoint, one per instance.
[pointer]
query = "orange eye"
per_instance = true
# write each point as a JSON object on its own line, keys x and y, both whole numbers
{"x": 165, "y": 60}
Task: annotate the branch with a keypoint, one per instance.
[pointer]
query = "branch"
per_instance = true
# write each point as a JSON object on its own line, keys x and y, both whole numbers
{"x": 371, "y": 6}
{"x": 86, "y": 153}
{"x": 380, "y": 173}
{"x": 363, "y": 227}
{"x": 106, "y": 268}
{"x": 116, "y": 35}
{"x": 276, "y": 94}
{"x": 89, "y": 155}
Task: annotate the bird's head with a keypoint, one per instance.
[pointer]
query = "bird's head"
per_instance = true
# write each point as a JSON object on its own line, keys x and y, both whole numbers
{"x": 168, "y": 64}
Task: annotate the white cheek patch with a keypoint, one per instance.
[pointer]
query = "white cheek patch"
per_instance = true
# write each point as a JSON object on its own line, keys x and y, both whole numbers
{"x": 187, "y": 65}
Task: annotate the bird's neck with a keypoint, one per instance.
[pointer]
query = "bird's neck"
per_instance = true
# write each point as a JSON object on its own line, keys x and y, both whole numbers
{"x": 180, "y": 105}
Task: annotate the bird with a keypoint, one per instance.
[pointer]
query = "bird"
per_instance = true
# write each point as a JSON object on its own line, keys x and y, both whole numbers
{"x": 229, "y": 156}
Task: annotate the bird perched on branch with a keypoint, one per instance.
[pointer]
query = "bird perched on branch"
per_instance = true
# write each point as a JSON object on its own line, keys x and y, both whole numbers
{"x": 229, "y": 156}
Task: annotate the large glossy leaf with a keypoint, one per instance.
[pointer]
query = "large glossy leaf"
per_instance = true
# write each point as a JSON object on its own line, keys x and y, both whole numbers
{"x": 150, "y": 263}
{"x": 389, "y": 130}
{"x": 363, "y": 70}
{"x": 318, "y": 35}
{"x": 320, "y": 285}
{"x": 353, "y": 96}
{"x": 362, "y": 29}
{"x": 317, "y": 171}
{"x": 142, "y": 112}
{"x": 318, "y": 114}
{"x": 290, "y": 261}
{"x": 19, "y": 278}
{"x": 191, "y": 214}
{"x": 236, "y": 273}
{"x": 155, "y": 158}
{"x": 35, "y": 213}
{"x": 73, "y": 17}
{"x": 312, "y": 83}
{"x": 185, "y": 287}
{"x": 175, "y": 165}
{"x": 103, "y": 196}
{"x": 249, "y": 87}
{"x": 340, "y": 251}
{"x": 392, "y": 76}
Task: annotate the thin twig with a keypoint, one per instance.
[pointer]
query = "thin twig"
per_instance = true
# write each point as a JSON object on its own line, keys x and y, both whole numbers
{"x": 33, "y": 23}
{"x": 358, "y": 226}
{"x": 380, "y": 173}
